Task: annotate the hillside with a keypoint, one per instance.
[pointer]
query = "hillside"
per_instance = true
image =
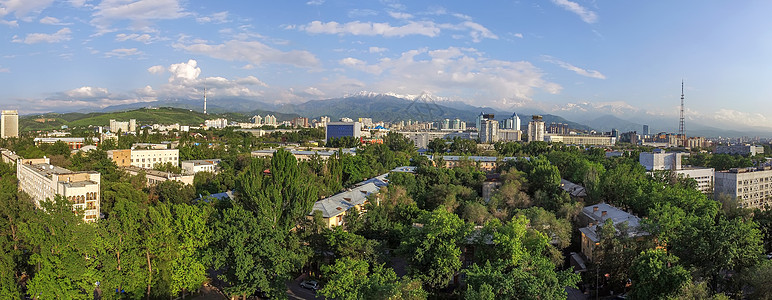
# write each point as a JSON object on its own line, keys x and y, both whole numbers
{"x": 164, "y": 115}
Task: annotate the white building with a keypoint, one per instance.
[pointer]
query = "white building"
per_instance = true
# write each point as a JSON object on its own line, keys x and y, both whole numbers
{"x": 9, "y": 124}
{"x": 144, "y": 158}
{"x": 660, "y": 160}
{"x": 43, "y": 181}
{"x": 201, "y": 165}
{"x": 270, "y": 120}
{"x": 704, "y": 176}
{"x": 216, "y": 123}
{"x": 257, "y": 120}
{"x": 155, "y": 177}
{"x": 510, "y": 135}
{"x": 751, "y": 187}
{"x": 740, "y": 149}
{"x": 512, "y": 122}
{"x": 583, "y": 139}
{"x": 130, "y": 126}
{"x": 489, "y": 131}
{"x": 536, "y": 129}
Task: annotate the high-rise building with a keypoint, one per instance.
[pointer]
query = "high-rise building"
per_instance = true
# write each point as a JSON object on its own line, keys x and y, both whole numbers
{"x": 489, "y": 131}
{"x": 646, "y": 130}
{"x": 258, "y": 120}
{"x": 445, "y": 124}
{"x": 43, "y": 181}
{"x": 9, "y": 123}
{"x": 512, "y": 122}
{"x": 536, "y": 129}
{"x": 341, "y": 129}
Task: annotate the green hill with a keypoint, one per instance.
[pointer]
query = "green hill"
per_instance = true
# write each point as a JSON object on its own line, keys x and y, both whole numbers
{"x": 144, "y": 116}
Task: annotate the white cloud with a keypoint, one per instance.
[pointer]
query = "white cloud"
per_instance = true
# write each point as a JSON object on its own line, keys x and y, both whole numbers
{"x": 77, "y": 3}
{"x": 370, "y": 29}
{"x": 87, "y": 92}
{"x": 459, "y": 73}
{"x": 361, "y": 13}
{"x": 34, "y": 38}
{"x": 21, "y": 8}
{"x": 219, "y": 17}
{"x": 425, "y": 28}
{"x": 315, "y": 2}
{"x": 313, "y": 91}
{"x": 142, "y": 38}
{"x": 52, "y": 21}
{"x": 13, "y": 23}
{"x": 400, "y": 15}
{"x": 5, "y": 70}
{"x": 123, "y": 52}
{"x": 575, "y": 69}
{"x": 184, "y": 71}
{"x": 377, "y": 49}
{"x": 253, "y": 52}
{"x": 360, "y": 65}
{"x": 141, "y": 13}
{"x": 744, "y": 118}
{"x": 518, "y": 35}
{"x": 585, "y": 14}
{"x": 159, "y": 69}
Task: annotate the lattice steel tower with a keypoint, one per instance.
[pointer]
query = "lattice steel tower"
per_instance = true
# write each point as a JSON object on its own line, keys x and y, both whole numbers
{"x": 681, "y": 123}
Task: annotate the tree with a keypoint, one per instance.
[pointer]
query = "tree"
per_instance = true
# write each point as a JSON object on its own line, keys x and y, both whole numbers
{"x": 188, "y": 269}
{"x": 355, "y": 279}
{"x": 438, "y": 146}
{"x": 60, "y": 243}
{"x": 657, "y": 275}
{"x": 434, "y": 249}
{"x": 463, "y": 146}
{"x": 121, "y": 256}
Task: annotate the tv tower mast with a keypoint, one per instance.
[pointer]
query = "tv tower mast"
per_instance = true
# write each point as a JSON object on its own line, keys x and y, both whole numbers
{"x": 681, "y": 123}
{"x": 205, "y": 102}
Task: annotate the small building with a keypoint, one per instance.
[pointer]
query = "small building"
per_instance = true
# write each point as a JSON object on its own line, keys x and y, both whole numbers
{"x": 594, "y": 217}
{"x": 333, "y": 208}
{"x": 200, "y": 165}
{"x": 155, "y": 176}
{"x": 576, "y": 191}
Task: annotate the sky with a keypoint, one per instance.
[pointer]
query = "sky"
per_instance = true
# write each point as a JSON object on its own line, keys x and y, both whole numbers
{"x": 577, "y": 59}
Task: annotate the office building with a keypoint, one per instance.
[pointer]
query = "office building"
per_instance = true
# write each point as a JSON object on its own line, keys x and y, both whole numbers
{"x": 646, "y": 130}
{"x": 341, "y": 129}
{"x": 489, "y": 131}
{"x": 705, "y": 177}
{"x": 740, "y": 150}
{"x": 43, "y": 181}
{"x": 9, "y": 124}
{"x": 536, "y": 131}
{"x": 752, "y": 187}
{"x": 124, "y": 127}
{"x": 512, "y": 122}
{"x": 144, "y": 158}
{"x": 586, "y": 140}
{"x": 445, "y": 124}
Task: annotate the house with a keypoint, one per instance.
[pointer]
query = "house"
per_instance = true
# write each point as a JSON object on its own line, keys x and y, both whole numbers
{"x": 333, "y": 208}
{"x": 594, "y": 217}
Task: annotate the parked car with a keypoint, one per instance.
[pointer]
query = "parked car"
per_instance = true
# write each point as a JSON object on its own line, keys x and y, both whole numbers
{"x": 310, "y": 284}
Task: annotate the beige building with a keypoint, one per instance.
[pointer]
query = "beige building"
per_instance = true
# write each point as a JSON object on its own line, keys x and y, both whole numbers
{"x": 124, "y": 127}
{"x": 144, "y": 158}
{"x": 9, "y": 124}
{"x": 335, "y": 207}
{"x": 750, "y": 186}
{"x": 42, "y": 181}
{"x": 594, "y": 217}
{"x": 587, "y": 140}
{"x": 536, "y": 129}
{"x": 155, "y": 177}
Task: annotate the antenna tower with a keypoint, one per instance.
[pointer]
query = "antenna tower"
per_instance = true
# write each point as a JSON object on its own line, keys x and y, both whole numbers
{"x": 681, "y": 123}
{"x": 205, "y": 102}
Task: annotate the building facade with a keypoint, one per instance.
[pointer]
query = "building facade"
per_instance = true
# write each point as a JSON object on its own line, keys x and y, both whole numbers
{"x": 43, "y": 181}
{"x": 705, "y": 178}
{"x": 155, "y": 177}
{"x": 201, "y": 165}
{"x": 752, "y": 187}
{"x": 144, "y": 158}
{"x": 130, "y": 126}
{"x": 593, "y": 219}
{"x": 536, "y": 131}
{"x": 740, "y": 150}
{"x": 587, "y": 140}
{"x": 512, "y": 123}
{"x": 216, "y": 123}
{"x": 489, "y": 131}
{"x": 73, "y": 143}
{"x": 9, "y": 123}
{"x": 342, "y": 129}
{"x": 660, "y": 160}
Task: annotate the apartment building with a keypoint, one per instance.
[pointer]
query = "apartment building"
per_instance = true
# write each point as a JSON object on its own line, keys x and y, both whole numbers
{"x": 144, "y": 158}
{"x": 595, "y": 216}
{"x": 155, "y": 177}
{"x": 42, "y": 181}
{"x": 201, "y": 165}
{"x": 335, "y": 207}
{"x": 752, "y": 187}
{"x": 73, "y": 142}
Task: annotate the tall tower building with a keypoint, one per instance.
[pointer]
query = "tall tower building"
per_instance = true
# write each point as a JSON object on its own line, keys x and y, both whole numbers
{"x": 512, "y": 122}
{"x": 681, "y": 123}
{"x": 646, "y": 130}
{"x": 489, "y": 131}
{"x": 9, "y": 124}
{"x": 536, "y": 129}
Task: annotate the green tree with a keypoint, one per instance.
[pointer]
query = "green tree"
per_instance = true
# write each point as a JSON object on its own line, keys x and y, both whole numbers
{"x": 188, "y": 268}
{"x": 438, "y": 146}
{"x": 657, "y": 275}
{"x": 120, "y": 252}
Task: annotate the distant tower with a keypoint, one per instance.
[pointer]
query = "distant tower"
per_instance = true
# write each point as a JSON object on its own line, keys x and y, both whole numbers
{"x": 681, "y": 123}
{"x": 204, "y": 100}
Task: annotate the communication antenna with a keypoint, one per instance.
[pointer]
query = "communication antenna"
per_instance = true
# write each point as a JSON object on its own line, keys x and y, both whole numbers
{"x": 205, "y": 101}
{"x": 681, "y": 123}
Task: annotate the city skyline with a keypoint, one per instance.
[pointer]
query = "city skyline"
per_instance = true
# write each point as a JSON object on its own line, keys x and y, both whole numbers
{"x": 570, "y": 58}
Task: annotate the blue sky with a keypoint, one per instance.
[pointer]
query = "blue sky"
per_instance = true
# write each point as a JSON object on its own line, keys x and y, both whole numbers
{"x": 574, "y": 58}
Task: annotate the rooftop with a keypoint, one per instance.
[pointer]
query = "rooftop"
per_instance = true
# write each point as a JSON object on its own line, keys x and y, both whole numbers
{"x": 341, "y": 202}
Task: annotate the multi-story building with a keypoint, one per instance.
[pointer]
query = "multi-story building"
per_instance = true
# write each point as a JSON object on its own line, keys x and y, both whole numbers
{"x": 594, "y": 218}
{"x": 124, "y": 127}
{"x": 200, "y": 165}
{"x": 342, "y": 129}
{"x": 510, "y": 135}
{"x": 300, "y": 122}
{"x": 9, "y": 124}
{"x": 270, "y": 120}
{"x": 512, "y": 122}
{"x": 144, "y": 158}
{"x": 484, "y": 163}
{"x": 257, "y": 120}
{"x": 216, "y": 123}
{"x": 740, "y": 149}
{"x": 660, "y": 160}
{"x": 43, "y": 181}
{"x": 558, "y": 128}
{"x": 72, "y": 142}
{"x": 536, "y": 129}
{"x": 489, "y": 131}
{"x": 583, "y": 139}
{"x": 752, "y": 187}
{"x": 335, "y": 207}
{"x": 705, "y": 177}
{"x": 155, "y": 177}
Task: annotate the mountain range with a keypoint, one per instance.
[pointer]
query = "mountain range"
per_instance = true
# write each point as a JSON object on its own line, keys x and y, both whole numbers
{"x": 425, "y": 107}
